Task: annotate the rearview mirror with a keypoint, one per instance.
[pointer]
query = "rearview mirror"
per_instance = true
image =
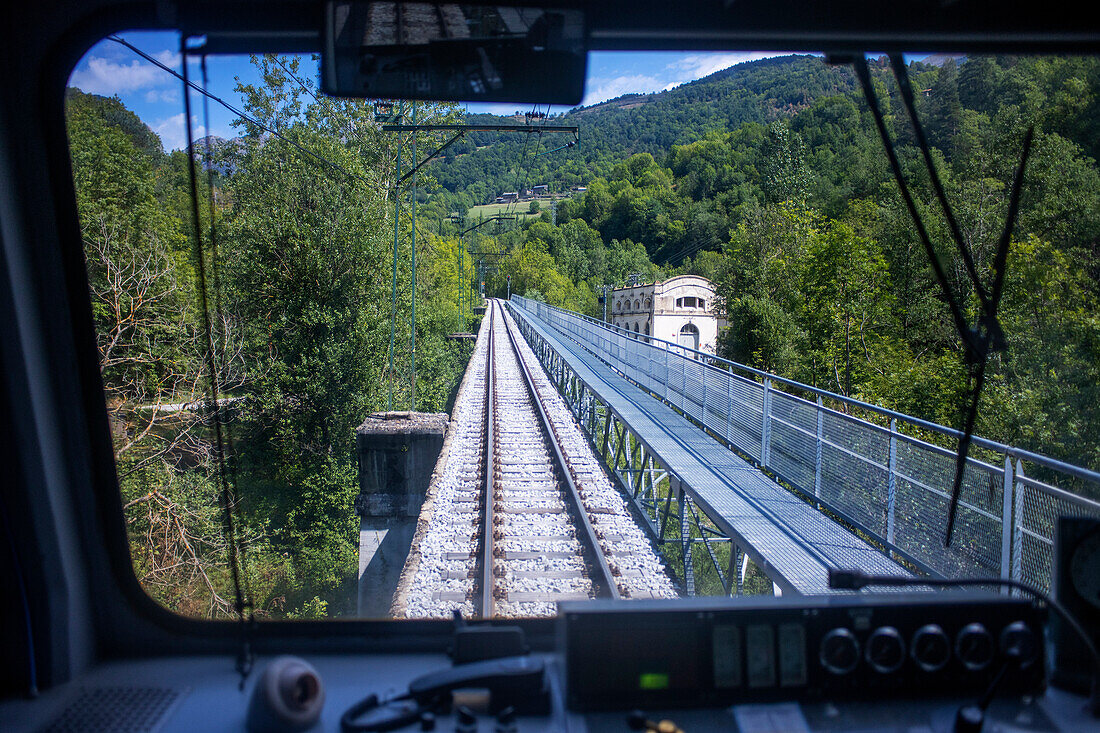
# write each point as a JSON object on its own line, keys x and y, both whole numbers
{"x": 453, "y": 52}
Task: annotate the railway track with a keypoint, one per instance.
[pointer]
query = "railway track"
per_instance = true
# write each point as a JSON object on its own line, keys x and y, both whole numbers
{"x": 538, "y": 545}
{"x": 521, "y": 515}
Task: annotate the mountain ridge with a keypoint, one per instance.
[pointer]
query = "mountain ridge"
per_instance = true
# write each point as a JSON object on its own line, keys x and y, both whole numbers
{"x": 761, "y": 90}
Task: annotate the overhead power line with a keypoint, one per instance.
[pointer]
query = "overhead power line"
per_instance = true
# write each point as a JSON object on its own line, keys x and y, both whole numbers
{"x": 483, "y": 128}
{"x": 239, "y": 113}
{"x": 527, "y": 163}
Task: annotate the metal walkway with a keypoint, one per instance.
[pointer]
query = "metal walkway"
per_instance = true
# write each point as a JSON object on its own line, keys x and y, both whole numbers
{"x": 786, "y": 537}
{"x": 884, "y": 475}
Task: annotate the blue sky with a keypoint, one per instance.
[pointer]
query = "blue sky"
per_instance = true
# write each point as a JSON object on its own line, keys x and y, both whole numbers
{"x": 156, "y": 96}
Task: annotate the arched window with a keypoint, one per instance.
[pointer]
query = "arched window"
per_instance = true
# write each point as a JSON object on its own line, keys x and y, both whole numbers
{"x": 689, "y": 336}
{"x": 648, "y": 303}
{"x": 635, "y": 328}
{"x": 618, "y": 305}
{"x": 647, "y": 328}
{"x": 637, "y": 305}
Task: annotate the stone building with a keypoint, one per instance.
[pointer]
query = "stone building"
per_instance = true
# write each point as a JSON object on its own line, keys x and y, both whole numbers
{"x": 680, "y": 310}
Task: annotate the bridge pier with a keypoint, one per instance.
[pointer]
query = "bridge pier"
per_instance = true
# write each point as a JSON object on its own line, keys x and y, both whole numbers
{"x": 397, "y": 452}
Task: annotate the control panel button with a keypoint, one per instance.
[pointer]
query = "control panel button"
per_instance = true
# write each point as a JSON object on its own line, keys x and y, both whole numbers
{"x": 930, "y": 648}
{"x": 974, "y": 647}
{"x": 885, "y": 650}
{"x": 1017, "y": 640}
{"x": 839, "y": 651}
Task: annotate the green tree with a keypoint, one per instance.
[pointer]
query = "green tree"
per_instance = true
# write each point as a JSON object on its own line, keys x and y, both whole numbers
{"x": 304, "y": 244}
{"x": 847, "y": 304}
{"x": 142, "y": 293}
{"x": 784, "y": 176}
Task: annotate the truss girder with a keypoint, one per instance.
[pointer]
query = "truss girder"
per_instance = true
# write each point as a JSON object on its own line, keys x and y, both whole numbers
{"x": 684, "y": 534}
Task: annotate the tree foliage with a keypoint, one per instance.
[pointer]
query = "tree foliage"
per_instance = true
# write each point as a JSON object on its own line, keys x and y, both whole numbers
{"x": 301, "y": 315}
{"x": 767, "y": 178}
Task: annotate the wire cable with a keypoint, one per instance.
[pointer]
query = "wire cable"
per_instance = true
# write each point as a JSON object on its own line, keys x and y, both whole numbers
{"x": 527, "y": 163}
{"x": 987, "y": 333}
{"x": 844, "y": 579}
{"x": 393, "y": 297}
{"x": 906, "y": 89}
{"x": 244, "y": 661}
{"x": 251, "y": 120}
{"x": 527, "y": 167}
{"x": 515, "y": 179}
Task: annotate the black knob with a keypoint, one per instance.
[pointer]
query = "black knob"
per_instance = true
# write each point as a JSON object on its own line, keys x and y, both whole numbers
{"x": 427, "y": 721}
{"x": 839, "y": 651}
{"x": 974, "y": 646}
{"x": 969, "y": 719}
{"x": 930, "y": 648}
{"x": 1018, "y": 643}
{"x": 467, "y": 721}
{"x": 506, "y": 720}
{"x": 885, "y": 650}
{"x": 637, "y": 720}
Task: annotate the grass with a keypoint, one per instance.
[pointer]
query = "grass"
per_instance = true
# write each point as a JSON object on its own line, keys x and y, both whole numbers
{"x": 486, "y": 210}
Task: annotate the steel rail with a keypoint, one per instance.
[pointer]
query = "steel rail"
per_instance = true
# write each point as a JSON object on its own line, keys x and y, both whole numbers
{"x": 488, "y": 603}
{"x": 606, "y": 582}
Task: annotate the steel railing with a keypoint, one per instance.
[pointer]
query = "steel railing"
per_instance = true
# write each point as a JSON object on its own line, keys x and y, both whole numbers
{"x": 886, "y": 474}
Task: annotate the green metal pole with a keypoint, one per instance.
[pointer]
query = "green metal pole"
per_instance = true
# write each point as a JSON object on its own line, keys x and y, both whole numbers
{"x": 412, "y": 316}
{"x": 396, "y": 220}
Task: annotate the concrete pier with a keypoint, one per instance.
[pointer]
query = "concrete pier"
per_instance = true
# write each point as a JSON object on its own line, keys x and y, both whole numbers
{"x": 397, "y": 452}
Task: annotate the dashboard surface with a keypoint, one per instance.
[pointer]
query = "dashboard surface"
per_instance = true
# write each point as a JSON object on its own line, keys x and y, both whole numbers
{"x": 202, "y": 694}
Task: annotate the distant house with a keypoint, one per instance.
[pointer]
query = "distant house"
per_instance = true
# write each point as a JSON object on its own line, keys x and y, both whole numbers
{"x": 580, "y": 189}
{"x": 680, "y": 310}
{"x": 509, "y": 196}
{"x": 541, "y": 190}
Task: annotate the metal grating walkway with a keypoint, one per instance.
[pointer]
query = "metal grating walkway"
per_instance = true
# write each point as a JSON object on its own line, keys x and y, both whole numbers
{"x": 790, "y": 540}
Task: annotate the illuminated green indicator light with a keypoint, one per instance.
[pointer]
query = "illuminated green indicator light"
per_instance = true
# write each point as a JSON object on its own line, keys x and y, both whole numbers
{"x": 653, "y": 681}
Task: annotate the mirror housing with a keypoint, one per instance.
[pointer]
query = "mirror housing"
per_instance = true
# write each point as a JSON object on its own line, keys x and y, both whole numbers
{"x": 453, "y": 52}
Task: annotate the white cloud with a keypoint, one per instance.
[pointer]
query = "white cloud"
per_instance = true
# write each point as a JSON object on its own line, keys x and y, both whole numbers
{"x": 600, "y": 90}
{"x": 499, "y": 108}
{"x": 167, "y": 96}
{"x": 107, "y": 77}
{"x": 173, "y": 131}
{"x": 681, "y": 71}
{"x": 696, "y": 66}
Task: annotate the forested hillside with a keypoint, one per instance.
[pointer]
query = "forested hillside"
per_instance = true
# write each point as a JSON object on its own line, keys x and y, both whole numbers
{"x": 302, "y": 307}
{"x": 777, "y": 187}
{"x": 768, "y": 178}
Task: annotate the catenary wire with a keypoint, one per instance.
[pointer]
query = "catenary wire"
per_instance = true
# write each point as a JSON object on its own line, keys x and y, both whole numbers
{"x": 239, "y": 113}
{"x": 244, "y": 659}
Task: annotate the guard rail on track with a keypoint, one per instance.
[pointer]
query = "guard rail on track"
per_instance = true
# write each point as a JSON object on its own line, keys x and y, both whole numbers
{"x": 888, "y": 475}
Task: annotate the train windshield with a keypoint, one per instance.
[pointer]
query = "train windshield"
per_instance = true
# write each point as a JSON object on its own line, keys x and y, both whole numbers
{"x": 716, "y": 330}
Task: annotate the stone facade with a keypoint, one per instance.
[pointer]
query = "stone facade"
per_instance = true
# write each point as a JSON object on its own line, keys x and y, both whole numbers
{"x": 680, "y": 310}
